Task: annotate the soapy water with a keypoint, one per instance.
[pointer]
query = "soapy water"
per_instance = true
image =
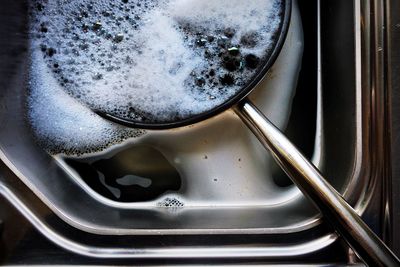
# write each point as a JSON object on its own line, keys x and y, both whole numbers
{"x": 149, "y": 61}
{"x": 61, "y": 124}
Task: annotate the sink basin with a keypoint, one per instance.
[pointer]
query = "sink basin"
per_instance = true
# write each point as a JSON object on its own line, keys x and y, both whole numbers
{"x": 233, "y": 201}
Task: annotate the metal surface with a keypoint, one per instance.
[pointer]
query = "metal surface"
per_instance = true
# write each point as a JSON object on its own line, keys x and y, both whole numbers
{"x": 121, "y": 252}
{"x": 348, "y": 145}
{"x": 392, "y": 58}
{"x": 266, "y": 203}
{"x": 307, "y": 177}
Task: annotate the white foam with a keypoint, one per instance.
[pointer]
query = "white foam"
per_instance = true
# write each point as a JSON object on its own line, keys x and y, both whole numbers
{"x": 243, "y": 16}
{"x": 61, "y": 123}
{"x": 137, "y": 59}
{"x": 149, "y": 69}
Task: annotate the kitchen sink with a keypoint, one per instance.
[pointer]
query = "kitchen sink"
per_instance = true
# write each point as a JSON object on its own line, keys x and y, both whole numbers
{"x": 224, "y": 198}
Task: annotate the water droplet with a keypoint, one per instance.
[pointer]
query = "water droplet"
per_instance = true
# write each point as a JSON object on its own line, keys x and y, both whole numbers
{"x": 234, "y": 51}
{"x": 227, "y": 79}
{"x": 97, "y": 76}
{"x": 201, "y": 42}
{"x": 39, "y": 7}
{"x": 223, "y": 41}
{"x": 118, "y": 38}
{"x": 43, "y": 28}
{"x": 249, "y": 40}
{"x": 229, "y": 32}
{"x": 252, "y": 61}
{"x": 200, "y": 81}
{"x": 51, "y": 52}
{"x": 97, "y": 26}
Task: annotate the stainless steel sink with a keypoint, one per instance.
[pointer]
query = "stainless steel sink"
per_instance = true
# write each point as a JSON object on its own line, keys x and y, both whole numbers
{"x": 338, "y": 116}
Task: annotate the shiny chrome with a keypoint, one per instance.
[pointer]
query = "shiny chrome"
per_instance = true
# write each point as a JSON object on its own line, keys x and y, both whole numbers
{"x": 359, "y": 176}
{"x": 63, "y": 192}
{"x": 371, "y": 60}
{"x": 306, "y": 176}
{"x": 182, "y": 252}
{"x": 392, "y": 57}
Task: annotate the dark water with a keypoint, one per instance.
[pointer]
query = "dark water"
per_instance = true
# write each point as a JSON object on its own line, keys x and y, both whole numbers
{"x": 139, "y": 173}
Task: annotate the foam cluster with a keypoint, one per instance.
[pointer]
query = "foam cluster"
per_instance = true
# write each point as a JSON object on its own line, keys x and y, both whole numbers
{"x": 63, "y": 125}
{"x": 154, "y": 61}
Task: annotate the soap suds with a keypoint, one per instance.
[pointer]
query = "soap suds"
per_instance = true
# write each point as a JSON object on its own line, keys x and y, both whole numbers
{"x": 63, "y": 125}
{"x": 148, "y": 61}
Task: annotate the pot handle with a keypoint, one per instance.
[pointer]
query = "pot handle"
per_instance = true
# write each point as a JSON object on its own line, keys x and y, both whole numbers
{"x": 309, "y": 180}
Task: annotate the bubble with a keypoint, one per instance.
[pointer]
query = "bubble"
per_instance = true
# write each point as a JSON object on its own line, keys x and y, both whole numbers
{"x": 200, "y": 81}
{"x": 234, "y": 51}
{"x": 249, "y": 39}
{"x": 227, "y": 79}
{"x": 97, "y": 26}
{"x": 252, "y": 61}
{"x": 50, "y": 52}
{"x": 97, "y": 76}
{"x": 119, "y": 38}
{"x": 229, "y": 32}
